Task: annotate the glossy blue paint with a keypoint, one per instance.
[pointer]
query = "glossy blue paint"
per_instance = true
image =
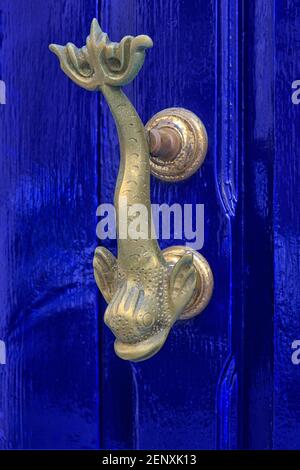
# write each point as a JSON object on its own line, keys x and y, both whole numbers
{"x": 224, "y": 379}
{"x": 286, "y": 194}
{"x": 257, "y": 226}
{"x": 48, "y": 148}
{"x": 172, "y": 397}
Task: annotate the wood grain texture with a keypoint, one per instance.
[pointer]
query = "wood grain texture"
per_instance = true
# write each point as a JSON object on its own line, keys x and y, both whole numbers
{"x": 286, "y": 228}
{"x": 271, "y": 413}
{"x": 48, "y": 155}
{"x": 224, "y": 379}
{"x": 257, "y": 272}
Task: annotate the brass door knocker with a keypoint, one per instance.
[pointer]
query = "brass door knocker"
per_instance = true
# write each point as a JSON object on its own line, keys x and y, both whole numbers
{"x": 146, "y": 289}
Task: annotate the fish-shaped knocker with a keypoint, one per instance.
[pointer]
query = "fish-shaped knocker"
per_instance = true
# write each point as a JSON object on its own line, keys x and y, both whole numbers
{"x": 146, "y": 289}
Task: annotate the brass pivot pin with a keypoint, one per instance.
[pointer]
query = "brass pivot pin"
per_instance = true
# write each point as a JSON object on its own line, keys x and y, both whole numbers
{"x": 164, "y": 143}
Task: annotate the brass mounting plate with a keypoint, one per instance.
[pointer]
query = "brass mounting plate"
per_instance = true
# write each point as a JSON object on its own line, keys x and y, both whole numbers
{"x": 193, "y": 149}
{"x": 204, "y": 283}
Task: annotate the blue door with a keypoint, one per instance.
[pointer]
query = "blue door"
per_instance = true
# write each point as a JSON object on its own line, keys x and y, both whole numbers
{"x": 227, "y": 379}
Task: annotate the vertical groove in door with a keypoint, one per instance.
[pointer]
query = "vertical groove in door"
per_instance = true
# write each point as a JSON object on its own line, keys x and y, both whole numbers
{"x": 228, "y": 165}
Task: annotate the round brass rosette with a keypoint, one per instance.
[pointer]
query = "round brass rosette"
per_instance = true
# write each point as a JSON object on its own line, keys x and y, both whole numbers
{"x": 193, "y": 144}
{"x": 204, "y": 284}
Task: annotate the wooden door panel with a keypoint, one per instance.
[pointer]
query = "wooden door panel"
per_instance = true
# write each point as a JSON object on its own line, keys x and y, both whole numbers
{"x": 49, "y": 385}
{"x": 224, "y": 379}
{"x": 173, "y": 397}
{"x": 286, "y": 408}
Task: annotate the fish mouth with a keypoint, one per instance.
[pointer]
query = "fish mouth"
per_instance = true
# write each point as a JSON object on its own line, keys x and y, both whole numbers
{"x": 143, "y": 350}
